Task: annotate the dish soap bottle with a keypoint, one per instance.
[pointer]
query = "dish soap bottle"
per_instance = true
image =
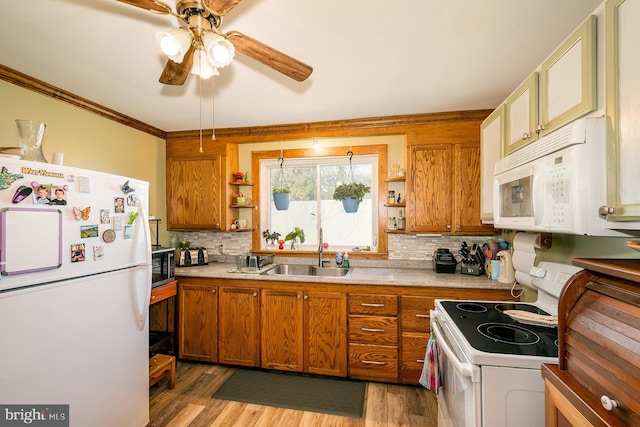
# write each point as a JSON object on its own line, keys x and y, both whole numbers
{"x": 345, "y": 260}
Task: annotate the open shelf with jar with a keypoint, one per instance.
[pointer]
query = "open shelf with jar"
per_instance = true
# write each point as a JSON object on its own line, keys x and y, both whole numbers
{"x": 240, "y": 202}
{"x": 396, "y": 224}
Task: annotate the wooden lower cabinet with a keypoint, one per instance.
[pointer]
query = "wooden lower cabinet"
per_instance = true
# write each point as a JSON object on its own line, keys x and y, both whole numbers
{"x": 239, "y": 331}
{"x": 304, "y": 331}
{"x": 375, "y": 333}
{"x": 198, "y": 319}
{"x": 373, "y": 337}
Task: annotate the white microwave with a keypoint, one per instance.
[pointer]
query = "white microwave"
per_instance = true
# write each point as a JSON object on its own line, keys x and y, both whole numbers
{"x": 555, "y": 184}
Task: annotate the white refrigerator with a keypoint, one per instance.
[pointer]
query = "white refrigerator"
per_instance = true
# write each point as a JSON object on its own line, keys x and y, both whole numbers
{"x": 75, "y": 282}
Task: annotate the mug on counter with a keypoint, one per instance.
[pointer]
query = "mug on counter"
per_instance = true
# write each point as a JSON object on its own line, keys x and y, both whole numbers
{"x": 240, "y": 223}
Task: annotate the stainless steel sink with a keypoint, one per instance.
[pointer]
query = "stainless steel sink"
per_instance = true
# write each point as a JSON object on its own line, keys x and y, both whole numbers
{"x": 307, "y": 270}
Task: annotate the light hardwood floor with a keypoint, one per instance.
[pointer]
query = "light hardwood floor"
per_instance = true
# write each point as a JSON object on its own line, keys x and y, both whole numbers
{"x": 190, "y": 404}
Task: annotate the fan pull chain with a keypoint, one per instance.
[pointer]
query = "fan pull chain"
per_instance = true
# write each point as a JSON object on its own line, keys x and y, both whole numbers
{"x": 200, "y": 116}
{"x": 213, "y": 114}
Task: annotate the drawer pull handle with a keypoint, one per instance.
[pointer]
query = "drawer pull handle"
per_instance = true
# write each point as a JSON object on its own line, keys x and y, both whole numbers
{"x": 364, "y": 304}
{"x": 422, "y": 316}
{"x": 373, "y": 362}
{"x": 420, "y": 360}
{"x": 371, "y": 330}
{"x": 608, "y": 403}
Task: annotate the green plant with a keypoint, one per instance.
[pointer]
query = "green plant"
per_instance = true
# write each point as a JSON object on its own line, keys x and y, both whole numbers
{"x": 351, "y": 189}
{"x": 280, "y": 190}
{"x": 296, "y": 233}
{"x": 270, "y": 237}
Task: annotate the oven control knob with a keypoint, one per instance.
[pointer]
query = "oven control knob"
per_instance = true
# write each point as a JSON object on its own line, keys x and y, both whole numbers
{"x": 538, "y": 272}
{"x": 608, "y": 403}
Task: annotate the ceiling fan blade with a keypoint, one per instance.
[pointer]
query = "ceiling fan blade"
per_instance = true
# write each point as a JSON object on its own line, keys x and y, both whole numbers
{"x": 176, "y": 73}
{"x": 157, "y": 7}
{"x": 270, "y": 57}
{"x": 220, "y": 7}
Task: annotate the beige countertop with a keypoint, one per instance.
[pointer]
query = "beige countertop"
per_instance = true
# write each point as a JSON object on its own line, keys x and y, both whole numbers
{"x": 359, "y": 276}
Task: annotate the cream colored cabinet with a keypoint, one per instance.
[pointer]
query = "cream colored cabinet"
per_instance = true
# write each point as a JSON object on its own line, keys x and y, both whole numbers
{"x": 563, "y": 90}
{"x": 522, "y": 115}
{"x": 491, "y": 144}
{"x": 623, "y": 111}
{"x": 568, "y": 79}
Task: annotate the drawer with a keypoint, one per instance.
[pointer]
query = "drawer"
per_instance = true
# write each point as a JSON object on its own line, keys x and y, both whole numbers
{"x": 163, "y": 292}
{"x": 373, "y": 362}
{"x": 380, "y": 305}
{"x": 414, "y": 312}
{"x": 373, "y": 330}
{"x": 414, "y": 347}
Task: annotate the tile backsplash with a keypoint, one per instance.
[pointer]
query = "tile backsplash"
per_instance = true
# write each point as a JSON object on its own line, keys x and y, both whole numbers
{"x": 404, "y": 250}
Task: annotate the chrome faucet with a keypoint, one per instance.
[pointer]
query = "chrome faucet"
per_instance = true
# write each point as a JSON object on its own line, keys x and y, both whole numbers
{"x": 321, "y": 259}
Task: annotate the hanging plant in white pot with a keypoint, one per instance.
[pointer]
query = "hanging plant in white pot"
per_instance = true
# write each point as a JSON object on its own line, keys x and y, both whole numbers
{"x": 350, "y": 193}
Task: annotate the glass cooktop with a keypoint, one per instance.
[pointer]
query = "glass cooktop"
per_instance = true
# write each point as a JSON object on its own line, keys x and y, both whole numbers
{"x": 488, "y": 329}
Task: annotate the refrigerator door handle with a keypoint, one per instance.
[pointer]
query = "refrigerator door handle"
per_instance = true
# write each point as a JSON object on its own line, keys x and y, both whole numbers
{"x": 142, "y": 294}
{"x": 143, "y": 249}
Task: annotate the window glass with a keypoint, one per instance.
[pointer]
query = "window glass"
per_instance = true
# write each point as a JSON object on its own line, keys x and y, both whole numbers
{"x": 311, "y": 183}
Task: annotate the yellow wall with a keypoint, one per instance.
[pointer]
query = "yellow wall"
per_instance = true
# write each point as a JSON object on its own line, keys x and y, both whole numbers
{"x": 88, "y": 141}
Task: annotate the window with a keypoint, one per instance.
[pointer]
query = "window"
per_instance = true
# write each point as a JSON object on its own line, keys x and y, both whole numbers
{"x": 311, "y": 181}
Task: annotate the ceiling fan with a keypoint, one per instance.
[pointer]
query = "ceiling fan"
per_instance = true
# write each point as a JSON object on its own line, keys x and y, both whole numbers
{"x": 200, "y": 48}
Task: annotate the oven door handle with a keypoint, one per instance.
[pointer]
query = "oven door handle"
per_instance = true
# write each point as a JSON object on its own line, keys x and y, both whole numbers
{"x": 463, "y": 368}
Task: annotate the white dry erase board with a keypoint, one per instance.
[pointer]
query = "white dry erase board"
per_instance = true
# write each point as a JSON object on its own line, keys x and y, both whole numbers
{"x": 30, "y": 239}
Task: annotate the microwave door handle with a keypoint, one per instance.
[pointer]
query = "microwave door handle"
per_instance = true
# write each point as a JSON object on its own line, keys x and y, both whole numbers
{"x": 463, "y": 368}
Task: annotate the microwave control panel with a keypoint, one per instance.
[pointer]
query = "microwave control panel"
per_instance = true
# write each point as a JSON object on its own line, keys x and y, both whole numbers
{"x": 558, "y": 182}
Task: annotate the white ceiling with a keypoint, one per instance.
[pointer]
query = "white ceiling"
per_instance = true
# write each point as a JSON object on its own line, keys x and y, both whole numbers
{"x": 370, "y": 57}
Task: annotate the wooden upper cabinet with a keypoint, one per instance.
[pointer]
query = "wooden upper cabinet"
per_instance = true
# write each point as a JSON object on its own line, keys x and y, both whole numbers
{"x": 491, "y": 145}
{"x": 195, "y": 196}
{"x": 430, "y": 191}
{"x": 443, "y": 194}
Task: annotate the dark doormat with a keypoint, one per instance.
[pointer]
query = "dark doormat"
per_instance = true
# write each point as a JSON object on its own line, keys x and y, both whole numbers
{"x": 334, "y": 396}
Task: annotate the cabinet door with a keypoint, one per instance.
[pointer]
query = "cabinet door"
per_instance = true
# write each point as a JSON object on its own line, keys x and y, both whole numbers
{"x": 194, "y": 194}
{"x": 325, "y": 326}
{"x": 467, "y": 190}
{"x": 282, "y": 329}
{"x": 431, "y": 188}
{"x": 522, "y": 115}
{"x": 239, "y": 332}
{"x": 623, "y": 109}
{"x": 198, "y": 326}
{"x": 491, "y": 144}
{"x": 568, "y": 79}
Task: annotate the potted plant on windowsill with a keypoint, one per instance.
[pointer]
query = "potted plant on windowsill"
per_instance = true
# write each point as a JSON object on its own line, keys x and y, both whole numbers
{"x": 281, "y": 198}
{"x": 296, "y": 235}
{"x": 351, "y": 194}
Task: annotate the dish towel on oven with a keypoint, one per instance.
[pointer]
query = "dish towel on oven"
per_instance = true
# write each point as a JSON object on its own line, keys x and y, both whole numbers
{"x": 430, "y": 377}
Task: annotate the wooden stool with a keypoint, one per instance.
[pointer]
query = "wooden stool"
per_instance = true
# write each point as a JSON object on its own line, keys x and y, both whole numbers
{"x": 162, "y": 365}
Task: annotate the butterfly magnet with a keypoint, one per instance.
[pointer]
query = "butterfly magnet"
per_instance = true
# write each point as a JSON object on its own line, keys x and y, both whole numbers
{"x": 81, "y": 213}
{"x": 126, "y": 189}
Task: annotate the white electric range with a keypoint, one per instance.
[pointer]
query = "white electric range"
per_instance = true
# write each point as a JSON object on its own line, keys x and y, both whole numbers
{"x": 490, "y": 363}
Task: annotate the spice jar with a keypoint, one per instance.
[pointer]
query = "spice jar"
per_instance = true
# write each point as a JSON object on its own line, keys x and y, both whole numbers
{"x": 392, "y": 225}
{"x": 401, "y": 222}
{"x": 391, "y": 197}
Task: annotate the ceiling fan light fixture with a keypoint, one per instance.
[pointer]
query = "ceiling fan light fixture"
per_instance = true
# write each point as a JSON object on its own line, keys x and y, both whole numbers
{"x": 201, "y": 66}
{"x": 174, "y": 43}
{"x": 219, "y": 50}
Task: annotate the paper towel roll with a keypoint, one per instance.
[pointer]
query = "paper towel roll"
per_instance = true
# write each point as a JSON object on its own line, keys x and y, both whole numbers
{"x": 524, "y": 256}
